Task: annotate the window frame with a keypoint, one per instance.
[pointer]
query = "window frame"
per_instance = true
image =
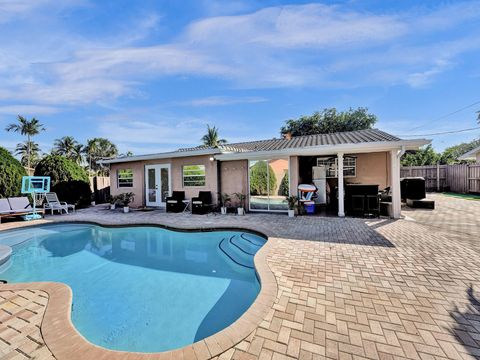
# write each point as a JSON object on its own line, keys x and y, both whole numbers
{"x": 331, "y": 166}
{"x": 193, "y": 182}
{"x": 122, "y": 185}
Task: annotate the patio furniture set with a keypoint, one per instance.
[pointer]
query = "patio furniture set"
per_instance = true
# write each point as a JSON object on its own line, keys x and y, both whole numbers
{"x": 201, "y": 204}
{"x": 20, "y": 206}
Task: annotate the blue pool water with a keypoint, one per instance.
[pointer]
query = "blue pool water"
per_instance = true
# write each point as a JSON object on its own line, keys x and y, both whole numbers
{"x": 144, "y": 289}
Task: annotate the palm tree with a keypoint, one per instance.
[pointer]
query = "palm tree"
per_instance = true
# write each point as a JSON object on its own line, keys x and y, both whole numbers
{"x": 97, "y": 149}
{"x": 69, "y": 147}
{"x": 64, "y": 146}
{"x": 27, "y": 128}
{"x": 211, "y": 137}
{"x": 26, "y": 148}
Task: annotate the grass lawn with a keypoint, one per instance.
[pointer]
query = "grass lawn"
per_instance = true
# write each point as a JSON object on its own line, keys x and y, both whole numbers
{"x": 463, "y": 196}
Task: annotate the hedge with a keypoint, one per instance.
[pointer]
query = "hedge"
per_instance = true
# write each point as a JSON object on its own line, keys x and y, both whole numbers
{"x": 68, "y": 179}
{"x": 11, "y": 174}
{"x": 60, "y": 169}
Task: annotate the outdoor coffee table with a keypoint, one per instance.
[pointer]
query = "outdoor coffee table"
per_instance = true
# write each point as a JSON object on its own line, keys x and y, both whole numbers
{"x": 187, "y": 204}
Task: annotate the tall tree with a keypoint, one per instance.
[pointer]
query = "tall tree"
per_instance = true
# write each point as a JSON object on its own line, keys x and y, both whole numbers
{"x": 329, "y": 121}
{"x": 425, "y": 156}
{"x": 26, "y": 148}
{"x": 98, "y": 149}
{"x": 28, "y": 128}
{"x": 451, "y": 154}
{"x": 211, "y": 138}
{"x": 69, "y": 147}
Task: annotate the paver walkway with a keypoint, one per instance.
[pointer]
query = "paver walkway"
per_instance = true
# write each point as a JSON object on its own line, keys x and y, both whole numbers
{"x": 354, "y": 288}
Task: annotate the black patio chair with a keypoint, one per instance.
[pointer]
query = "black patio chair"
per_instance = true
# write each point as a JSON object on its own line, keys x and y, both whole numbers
{"x": 203, "y": 203}
{"x": 175, "y": 203}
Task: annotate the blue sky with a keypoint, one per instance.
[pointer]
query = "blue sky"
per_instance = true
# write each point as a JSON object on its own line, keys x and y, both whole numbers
{"x": 150, "y": 75}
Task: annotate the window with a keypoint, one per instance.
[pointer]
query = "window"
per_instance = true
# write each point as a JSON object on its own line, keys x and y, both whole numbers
{"x": 269, "y": 184}
{"x": 349, "y": 166}
{"x": 194, "y": 175}
{"x": 125, "y": 178}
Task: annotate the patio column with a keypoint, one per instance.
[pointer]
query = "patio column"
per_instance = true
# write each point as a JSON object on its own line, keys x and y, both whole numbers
{"x": 395, "y": 183}
{"x": 341, "y": 202}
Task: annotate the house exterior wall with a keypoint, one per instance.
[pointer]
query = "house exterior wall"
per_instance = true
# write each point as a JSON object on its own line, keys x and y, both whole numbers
{"x": 234, "y": 178}
{"x": 478, "y": 157}
{"x": 176, "y": 168}
{"x": 372, "y": 168}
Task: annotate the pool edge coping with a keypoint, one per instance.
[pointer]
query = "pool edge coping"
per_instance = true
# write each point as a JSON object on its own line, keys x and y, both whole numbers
{"x": 66, "y": 342}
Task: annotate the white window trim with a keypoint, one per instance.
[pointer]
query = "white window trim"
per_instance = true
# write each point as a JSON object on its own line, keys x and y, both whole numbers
{"x": 204, "y": 176}
{"x": 334, "y": 166}
{"x": 118, "y": 178}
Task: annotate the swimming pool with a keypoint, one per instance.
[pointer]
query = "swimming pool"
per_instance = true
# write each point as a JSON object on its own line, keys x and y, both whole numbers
{"x": 143, "y": 289}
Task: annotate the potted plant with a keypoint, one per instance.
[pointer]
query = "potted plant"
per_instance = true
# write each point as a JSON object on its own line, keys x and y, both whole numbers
{"x": 292, "y": 205}
{"x": 113, "y": 201}
{"x": 224, "y": 200}
{"x": 241, "y": 203}
{"x": 125, "y": 199}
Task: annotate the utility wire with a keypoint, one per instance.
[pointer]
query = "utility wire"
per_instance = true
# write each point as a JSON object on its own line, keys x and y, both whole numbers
{"x": 446, "y": 115}
{"x": 443, "y": 133}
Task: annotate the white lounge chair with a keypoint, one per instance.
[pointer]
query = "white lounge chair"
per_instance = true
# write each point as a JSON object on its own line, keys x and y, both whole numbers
{"x": 52, "y": 203}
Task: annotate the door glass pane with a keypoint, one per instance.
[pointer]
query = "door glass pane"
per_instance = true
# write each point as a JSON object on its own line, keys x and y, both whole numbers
{"x": 151, "y": 184}
{"x": 278, "y": 184}
{"x": 258, "y": 185}
{"x": 164, "y": 185}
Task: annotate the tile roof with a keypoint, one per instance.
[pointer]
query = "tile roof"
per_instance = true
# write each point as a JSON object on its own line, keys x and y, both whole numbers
{"x": 350, "y": 137}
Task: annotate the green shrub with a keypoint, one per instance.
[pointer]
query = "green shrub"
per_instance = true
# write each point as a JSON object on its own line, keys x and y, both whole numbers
{"x": 60, "y": 169}
{"x": 258, "y": 179}
{"x": 68, "y": 179}
{"x": 73, "y": 192}
{"x": 11, "y": 172}
{"x": 284, "y": 188}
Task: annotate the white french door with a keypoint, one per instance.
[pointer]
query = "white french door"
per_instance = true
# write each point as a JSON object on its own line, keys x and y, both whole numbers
{"x": 157, "y": 184}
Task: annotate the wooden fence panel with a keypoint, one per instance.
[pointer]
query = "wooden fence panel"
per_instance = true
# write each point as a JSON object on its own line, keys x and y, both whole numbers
{"x": 461, "y": 178}
{"x": 100, "y": 186}
{"x": 474, "y": 178}
{"x": 435, "y": 176}
{"x": 457, "y": 178}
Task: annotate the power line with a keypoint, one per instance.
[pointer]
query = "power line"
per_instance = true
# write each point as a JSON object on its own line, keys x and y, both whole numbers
{"x": 443, "y": 133}
{"x": 447, "y": 115}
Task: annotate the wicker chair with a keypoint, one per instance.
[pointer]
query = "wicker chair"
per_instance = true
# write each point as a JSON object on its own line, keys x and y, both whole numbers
{"x": 175, "y": 202}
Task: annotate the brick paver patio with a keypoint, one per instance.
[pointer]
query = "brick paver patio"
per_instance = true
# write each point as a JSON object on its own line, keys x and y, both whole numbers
{"x": 347, "y": 288}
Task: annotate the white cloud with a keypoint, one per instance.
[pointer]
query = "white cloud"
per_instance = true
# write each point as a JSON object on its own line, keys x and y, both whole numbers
{"x": 28, "y": 109}
{"x": 311, "y": 45}
{"x": 223, "y": 101}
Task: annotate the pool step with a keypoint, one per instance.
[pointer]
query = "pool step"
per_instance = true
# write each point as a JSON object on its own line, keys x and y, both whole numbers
{"x": 236, "y": 253}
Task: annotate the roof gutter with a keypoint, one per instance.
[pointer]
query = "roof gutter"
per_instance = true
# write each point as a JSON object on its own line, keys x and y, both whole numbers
{"x": 166, "y": 155}
{"x": 367, "y": 147}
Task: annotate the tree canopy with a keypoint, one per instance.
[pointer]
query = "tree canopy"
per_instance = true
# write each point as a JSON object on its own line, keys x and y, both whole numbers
{"x": 329, "y": 120}
{"x": 60, "y": 169}
{"x": 428, "y": 156}
{"x": 98, "y": 149}
{"x": 28, "y": 128}
{"x": 69, "y": 147}
{"x": 262, "y": 181}
{"x": 12, "y": 172}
